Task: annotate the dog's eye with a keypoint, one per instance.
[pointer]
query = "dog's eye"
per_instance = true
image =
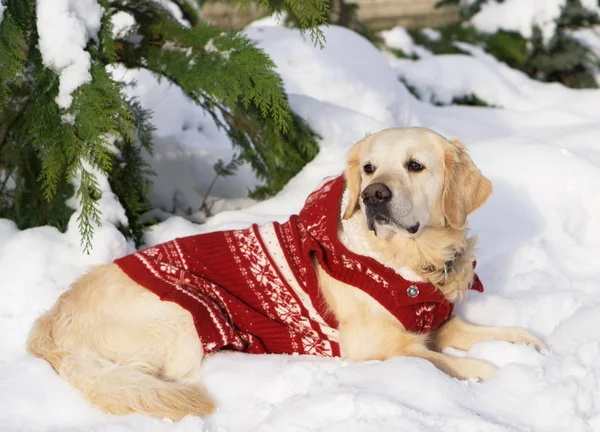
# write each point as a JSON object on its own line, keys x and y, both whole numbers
{"x": 369, "y": 169}
{"x": 415, "y": 166}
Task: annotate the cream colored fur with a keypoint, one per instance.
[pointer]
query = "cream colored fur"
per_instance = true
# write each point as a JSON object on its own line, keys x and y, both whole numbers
{"x": 129, "y": 352}
{"x": 123, "y": 347}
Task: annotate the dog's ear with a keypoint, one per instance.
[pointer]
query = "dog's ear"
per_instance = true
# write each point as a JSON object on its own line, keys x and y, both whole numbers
{"x": 465, "y": 188}
{"x": 352, "y": 176}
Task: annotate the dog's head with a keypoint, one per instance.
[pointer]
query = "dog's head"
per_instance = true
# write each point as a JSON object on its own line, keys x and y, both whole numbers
{"x": 405, "y": 180}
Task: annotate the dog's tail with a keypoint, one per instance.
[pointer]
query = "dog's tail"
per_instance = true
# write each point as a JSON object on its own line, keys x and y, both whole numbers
{"x": 118, "y": 389}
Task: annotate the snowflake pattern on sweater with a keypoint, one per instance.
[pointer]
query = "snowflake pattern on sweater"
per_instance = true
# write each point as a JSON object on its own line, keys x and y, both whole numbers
{"x": 256, "y": 290}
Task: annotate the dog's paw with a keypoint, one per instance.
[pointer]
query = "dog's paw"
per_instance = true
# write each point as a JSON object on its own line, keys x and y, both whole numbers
{"x": 523, "y": 336}
{"x": 472, "y": 368}
{"x": 484, "y": 370}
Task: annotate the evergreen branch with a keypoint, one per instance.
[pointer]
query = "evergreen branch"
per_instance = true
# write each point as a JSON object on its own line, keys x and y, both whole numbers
{"x": 238, "y": 121}
{"x": 221, "y": 170}
{"x": 13, "y": 46}
{"x": 206, "y": 61}
{"x": 7, "y": 130}
{"x": 107, "y": 49}
{"x": 306, "y": 14}
{"x": 87, "y": 194}
{"x": 77, "y": 137}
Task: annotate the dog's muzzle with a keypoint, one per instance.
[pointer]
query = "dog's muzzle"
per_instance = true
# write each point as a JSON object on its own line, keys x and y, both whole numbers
{"x": 376, "y": 198}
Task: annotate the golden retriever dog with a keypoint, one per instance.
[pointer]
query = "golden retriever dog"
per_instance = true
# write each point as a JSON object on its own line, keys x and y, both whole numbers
{"x": 408, "y": 192}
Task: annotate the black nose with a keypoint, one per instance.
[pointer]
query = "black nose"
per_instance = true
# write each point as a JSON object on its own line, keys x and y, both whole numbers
{"x": 413, "y": 229}
{"x": 376, "y": 193}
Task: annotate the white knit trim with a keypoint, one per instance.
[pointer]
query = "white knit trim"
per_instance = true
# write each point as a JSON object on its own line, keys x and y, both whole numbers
{"x": 181, "y": 255}
{"x": 271, "y": 241}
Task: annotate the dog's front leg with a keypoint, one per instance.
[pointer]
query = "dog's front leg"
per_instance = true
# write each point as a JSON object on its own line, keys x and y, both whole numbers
{"x": 457, "y": 367}
{"x": 459, "y": 334}
{"x": 410, "y": 344}
{"x": 385, "y": 339}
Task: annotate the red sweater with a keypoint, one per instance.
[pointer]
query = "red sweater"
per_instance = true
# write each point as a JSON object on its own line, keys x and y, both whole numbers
{"x": 256, "y": 290}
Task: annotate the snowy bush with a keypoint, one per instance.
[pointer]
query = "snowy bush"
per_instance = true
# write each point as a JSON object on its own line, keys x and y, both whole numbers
{"x": 537, "y": 37}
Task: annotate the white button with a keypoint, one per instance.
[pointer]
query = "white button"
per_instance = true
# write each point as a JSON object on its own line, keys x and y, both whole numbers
{"x": 412, "y": 291}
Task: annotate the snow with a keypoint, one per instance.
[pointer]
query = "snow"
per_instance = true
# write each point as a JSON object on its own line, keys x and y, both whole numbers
{"x": 175, "y": 10}
{"x": 122, "y": 22}
{"x": 52, "y": 259}
{"x": 522, "y": 15}
{"x": 442, "y": 78}
{"x": 187, "y": 144}
{"x": 431, "y": 34}
{"x": 65, "y": 27}
{"x": 398, "y": 38}
{"x": 362, "y": 84}
{"x": 538, "y": 253}
{"x": 2, "y": 8}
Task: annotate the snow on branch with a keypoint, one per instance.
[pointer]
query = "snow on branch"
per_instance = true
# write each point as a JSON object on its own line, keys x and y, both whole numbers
{"x": 65, "y": 27}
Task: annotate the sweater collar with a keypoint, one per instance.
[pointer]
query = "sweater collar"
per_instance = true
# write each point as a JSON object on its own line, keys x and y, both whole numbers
{"x": 320, "y": 218}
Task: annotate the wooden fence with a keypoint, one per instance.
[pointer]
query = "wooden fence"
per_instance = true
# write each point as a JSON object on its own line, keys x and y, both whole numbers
{"x": 378, "y": 14}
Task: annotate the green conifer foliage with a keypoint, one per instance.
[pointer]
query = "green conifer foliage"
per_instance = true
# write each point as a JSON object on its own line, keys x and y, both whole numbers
{"x": 45, "y": 150}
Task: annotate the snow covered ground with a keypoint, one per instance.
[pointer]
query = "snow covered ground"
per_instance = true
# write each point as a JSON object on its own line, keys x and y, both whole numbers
{"x": 539, "y": 256}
